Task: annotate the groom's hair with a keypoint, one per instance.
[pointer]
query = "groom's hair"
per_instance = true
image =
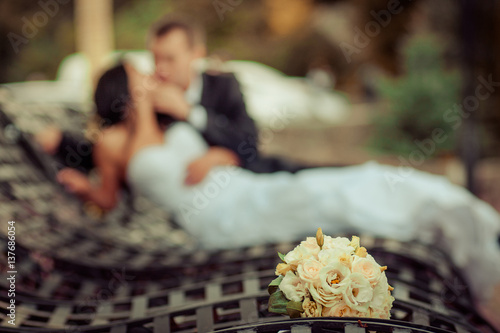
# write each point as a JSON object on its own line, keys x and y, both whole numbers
{"x": 194, "y": 32}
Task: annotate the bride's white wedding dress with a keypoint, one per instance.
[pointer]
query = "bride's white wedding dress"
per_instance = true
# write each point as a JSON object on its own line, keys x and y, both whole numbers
{"x": 233, "y": 207}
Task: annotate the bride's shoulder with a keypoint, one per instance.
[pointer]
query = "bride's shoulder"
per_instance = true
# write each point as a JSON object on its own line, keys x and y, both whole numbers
{"x": 110, "y": 140}
{"x": 111, "y": 135}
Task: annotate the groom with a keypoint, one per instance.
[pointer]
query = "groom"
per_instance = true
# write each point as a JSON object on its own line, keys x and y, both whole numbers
{"x": 212, "y": 103}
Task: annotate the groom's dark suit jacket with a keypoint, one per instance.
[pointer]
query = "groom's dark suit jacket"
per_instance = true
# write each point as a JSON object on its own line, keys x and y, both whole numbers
{"x": 228, "y": 125}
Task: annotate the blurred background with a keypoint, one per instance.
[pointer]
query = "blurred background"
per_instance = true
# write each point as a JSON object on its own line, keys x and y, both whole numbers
{"x": 409, "y": 83}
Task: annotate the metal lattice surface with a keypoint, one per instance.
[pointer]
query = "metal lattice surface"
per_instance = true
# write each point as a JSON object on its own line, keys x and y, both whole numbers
{"x": 64, "y": 280}
{"x": 234, "y": 314}
{"x": 99, "y": 311}
{"x": 423, "y": 294}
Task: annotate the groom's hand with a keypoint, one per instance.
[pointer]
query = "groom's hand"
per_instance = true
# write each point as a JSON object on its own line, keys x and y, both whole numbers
{"x": 199, "y": 168}
{"x": 169, "y": 99}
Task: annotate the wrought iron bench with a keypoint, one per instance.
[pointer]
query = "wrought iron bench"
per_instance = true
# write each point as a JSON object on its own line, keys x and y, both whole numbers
{"x": 428, "y": 292}
{"x": 221, "y": 304}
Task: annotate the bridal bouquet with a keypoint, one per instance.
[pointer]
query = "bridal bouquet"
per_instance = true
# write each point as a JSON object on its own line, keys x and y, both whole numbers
{"x": 330, "y": 277}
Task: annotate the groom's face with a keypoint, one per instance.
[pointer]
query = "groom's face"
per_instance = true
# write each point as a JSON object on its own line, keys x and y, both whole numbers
{"x": 174, "y": 54}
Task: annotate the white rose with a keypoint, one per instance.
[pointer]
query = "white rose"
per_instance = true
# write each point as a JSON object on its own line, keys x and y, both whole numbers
{"x": 333, "y": 277}
{"x": 384, "y": 313}
{"x": 382, "y": 300}
{"x": 331, "y": 285}
{"x": 368, "y": 267}
{"x": 341, "y": 309}
{"x": 358, "y": 293}
{"x": 308, "y": 271}
{"x": 292, "y": 287}
{"x": 311, "y": 245}
{"x": 328, "y": 256}
{"x": 378, "y": 314}
{"x": 311, "y": 308}
{"x": 388, "y": 306}
{"x": 338, "y": 242}
{"x": 296, "y": 255}
{"x": 323, "y": 297}
{"x": 380, "y": 293}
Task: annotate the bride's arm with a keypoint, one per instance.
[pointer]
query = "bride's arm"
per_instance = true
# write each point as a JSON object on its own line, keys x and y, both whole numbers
{"x": 146, "y": 130}
{"x": 105, "y": 193}
{"x": 215, "y": 156}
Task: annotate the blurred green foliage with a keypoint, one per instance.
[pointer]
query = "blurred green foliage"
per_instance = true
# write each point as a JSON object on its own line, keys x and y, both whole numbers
{"x": 40, "y": 51}
{"x": 132, "y": 22}
{"x": 416, "y": 102}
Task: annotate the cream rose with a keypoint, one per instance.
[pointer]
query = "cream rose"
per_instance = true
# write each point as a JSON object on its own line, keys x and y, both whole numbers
{"x": 292, "y": 287}
{"x": 388, "y": 306}
{"x": 311, "y": 245}
{"x": 308, "y": 271}
{"x": 323, "y": 297}
{"x": 337, "y": 242}
{"x": 381, "y": 302}
{"x": 358, "y": 292}
{"x": 296, "y": 255}
{"x": 340, "y": 309}
{"x": 384, "y": 313}
{"x": 368, "y": 267}
{"x": 331, "y": 285}
{"x": 333, "y": 277}
{"x": 336, "y": 254}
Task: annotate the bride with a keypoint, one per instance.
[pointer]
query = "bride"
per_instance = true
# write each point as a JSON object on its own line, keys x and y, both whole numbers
{"x": 233, "y": 207}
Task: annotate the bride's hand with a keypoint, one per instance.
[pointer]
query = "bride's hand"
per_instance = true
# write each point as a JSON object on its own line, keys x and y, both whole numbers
{"x": 141, "y": 86}
{"x": 169, "y": 99}
{"x": 74, "y": 181}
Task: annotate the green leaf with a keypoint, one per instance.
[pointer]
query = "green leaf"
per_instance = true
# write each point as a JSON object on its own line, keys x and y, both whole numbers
{"x": 294, "y": 309}
{"x": 274, "y": 285}
{"x": 278, "y": 303}
{"x": 282, "y": 257}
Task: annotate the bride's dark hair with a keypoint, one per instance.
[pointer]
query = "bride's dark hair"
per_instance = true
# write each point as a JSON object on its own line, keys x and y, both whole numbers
{"x": 112, "y": 96}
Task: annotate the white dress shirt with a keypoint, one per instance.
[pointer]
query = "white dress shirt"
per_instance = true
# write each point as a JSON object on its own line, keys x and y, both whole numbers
{"x": 197, "y": 115}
